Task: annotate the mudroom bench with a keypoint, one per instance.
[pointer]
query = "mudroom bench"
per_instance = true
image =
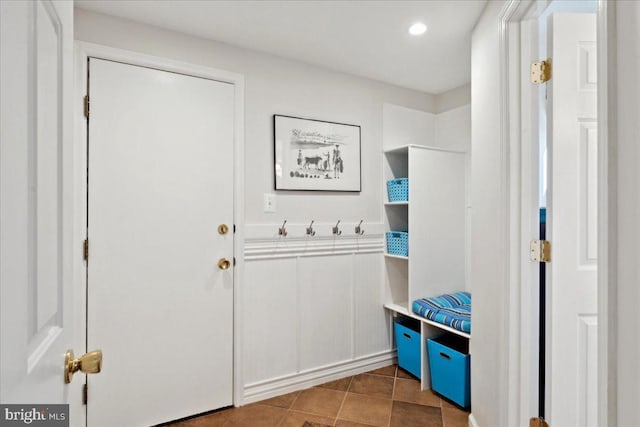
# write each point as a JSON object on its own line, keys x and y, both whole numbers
{"x": 446, "y": 371}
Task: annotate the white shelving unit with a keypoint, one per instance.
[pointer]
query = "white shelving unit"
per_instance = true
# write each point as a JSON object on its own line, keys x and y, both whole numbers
{"x": 396, "y": 256}
{"x": 423, "y": 147}
{"x": 434, "y": 217}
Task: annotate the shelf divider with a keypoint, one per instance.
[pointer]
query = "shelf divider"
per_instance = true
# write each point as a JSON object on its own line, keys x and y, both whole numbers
{"x": 402, "y": 308}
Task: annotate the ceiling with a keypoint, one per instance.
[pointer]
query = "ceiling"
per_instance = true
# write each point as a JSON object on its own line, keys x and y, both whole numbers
{"x": 365, "y": 38}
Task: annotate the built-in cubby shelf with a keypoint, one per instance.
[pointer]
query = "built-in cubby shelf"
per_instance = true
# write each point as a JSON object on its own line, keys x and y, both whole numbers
{"x": 402, "y": 150}
{"x": 434, "y": 215}
{"x": 396, "y": 256}
{"x": 402, "y": 309}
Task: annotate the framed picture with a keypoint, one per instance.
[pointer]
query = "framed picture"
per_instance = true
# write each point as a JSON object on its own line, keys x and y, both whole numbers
{"x": 315, "y": 155}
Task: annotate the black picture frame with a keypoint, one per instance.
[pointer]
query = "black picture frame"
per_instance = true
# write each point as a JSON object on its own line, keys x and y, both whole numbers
{"x": 316, "y": 155}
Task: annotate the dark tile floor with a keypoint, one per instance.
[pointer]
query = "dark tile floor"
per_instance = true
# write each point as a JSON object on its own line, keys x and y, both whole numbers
{"x": 385, "y": 397}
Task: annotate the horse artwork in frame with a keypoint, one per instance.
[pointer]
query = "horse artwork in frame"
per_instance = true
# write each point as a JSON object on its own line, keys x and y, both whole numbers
{"x": 316, "y": 155}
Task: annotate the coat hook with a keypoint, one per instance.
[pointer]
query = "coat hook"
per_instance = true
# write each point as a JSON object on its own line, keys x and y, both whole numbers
{"x": 282, "y": 231}
{"x": 336, "y": 230}
{"x": 359, "y": 230}
{"x": 310, "y": 231}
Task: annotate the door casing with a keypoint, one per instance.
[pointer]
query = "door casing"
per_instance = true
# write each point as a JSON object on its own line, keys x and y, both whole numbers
{"x": 82, "y": 53}
{"x": 518, "y": 390}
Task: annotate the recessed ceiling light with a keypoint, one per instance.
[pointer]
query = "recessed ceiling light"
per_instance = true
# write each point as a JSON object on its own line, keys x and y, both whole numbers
{"x": 417, "y": 29}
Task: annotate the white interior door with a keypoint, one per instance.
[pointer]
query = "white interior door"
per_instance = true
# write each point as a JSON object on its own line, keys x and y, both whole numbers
{"x": 160, "y": 183}
{"x": 37, "y": 323}
{"x": 572, "y": 221}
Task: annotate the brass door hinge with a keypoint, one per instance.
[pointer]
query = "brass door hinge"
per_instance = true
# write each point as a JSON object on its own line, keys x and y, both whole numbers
{"x": 541, "y": 72}
{"x": 85, "y": 394}
{"x": 86, "y": 250}
{"x": 86, "y": 106}
{"x": 540, "y": 251}
{"x": 538, "y": 422}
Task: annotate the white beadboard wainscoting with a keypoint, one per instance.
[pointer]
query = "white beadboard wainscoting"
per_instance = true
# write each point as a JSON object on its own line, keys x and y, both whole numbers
{"x": 311, "y": 307}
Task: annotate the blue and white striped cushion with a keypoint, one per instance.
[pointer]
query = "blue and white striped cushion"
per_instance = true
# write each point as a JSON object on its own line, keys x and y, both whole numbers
{"x": 453, "y": 310}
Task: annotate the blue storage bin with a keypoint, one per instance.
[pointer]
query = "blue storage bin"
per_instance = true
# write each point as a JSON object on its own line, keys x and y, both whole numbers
{"x": 398, "y": 243}
{"x": 449, "y": 364}
{"x": 398, "y": 189}
{"x": 408, "y": 345}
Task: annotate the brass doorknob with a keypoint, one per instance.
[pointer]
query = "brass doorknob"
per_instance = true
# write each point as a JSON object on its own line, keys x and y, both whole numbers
{"x": 89, "y": 363}
{"x": 224, "y": 264}
{"x": 223, "y": 229}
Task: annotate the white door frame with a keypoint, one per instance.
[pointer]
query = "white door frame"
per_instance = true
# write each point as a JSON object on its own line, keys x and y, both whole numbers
{"x": 518, "y": 382}
{"x": 83, "y": 51}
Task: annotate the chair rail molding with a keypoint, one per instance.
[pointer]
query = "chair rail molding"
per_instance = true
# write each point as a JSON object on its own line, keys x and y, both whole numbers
{"x": 263, "y": 241}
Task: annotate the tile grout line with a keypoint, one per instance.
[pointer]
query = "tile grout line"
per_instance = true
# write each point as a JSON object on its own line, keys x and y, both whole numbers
{"x": 441, "y": 410}
{"x": 290, "y": 409}
{"x": 335, "y": 421}
{"x": 291, "y": 405}
{"x": 294, "y": 399}
{"x": 377, "y": 375}
{"x": 295, "y": 411}
{"x": 280, "y": 421}
{"x": 393, "y": 393}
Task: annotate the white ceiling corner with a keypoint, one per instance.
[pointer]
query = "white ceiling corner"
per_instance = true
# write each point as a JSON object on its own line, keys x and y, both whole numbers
{"x": 364, "y": 38}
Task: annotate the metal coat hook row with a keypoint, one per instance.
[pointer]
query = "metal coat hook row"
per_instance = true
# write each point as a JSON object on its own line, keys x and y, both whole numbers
{"x": 282, "y": 231}
{"x": 335, "y": 230}
{"x": 310, "y": 231}
{"x": 359, "y": 230}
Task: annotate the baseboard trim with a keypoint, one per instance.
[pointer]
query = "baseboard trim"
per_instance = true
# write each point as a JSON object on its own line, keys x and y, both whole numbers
{"x": 472, "y": 421}
{"x": 290, "y": 383}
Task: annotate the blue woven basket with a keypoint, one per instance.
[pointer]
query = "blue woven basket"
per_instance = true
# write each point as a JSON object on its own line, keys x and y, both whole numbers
{"x": 398, "y": 189}
{"x": 398, "y": 243}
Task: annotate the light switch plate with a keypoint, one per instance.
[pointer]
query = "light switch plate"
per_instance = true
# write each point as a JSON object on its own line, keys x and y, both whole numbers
{"x": 269, "y": 202}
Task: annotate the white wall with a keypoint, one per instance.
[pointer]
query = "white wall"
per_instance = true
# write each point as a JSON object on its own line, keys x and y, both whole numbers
{"x": 277, "y": 86}
{"x": 627, "y": 248}
{"x": 487, "y": 275}
{"x": 407, "y": 126}
{"x": 450, "y": 129}
{"x": 454, "y": 98}
{"x": 311, "y": 309}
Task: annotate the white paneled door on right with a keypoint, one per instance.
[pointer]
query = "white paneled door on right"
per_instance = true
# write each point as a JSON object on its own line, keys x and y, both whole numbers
{"x": 572, "y": 225}
{"x": 160, "y": 295}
